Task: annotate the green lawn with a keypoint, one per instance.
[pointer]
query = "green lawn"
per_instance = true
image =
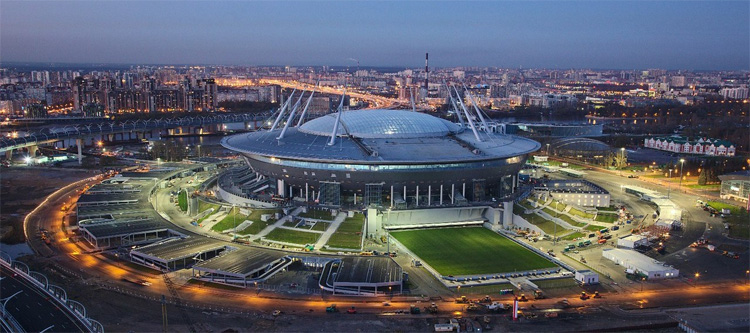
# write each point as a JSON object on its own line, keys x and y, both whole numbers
{"x": 320, "y": 226}
{"x": 571, "y": 221}
{"x": 472, "y": 250}
{"x": 317, "y": 214}
{"x": 708, "y": 187}
{"x": 738, "y": 220}
{"x": 573, "y": 236}
{"x": 202, "y": 206}
{"x": 293, "y": 236}
{"x": 577, "y": 212}
{"x": 550, "y": 211}
{"x": 234, "y": 218}
{"x": 607, "y": 218}
{"x": 182, "y": 201}
{"x": 258, "y": 225}
{"x": 349, "y": 233}
{"x": 546, "y": 225}
{"x": 558, "y": 205}
{"x": 593, "y": 227}
{"x": 607, "y": 209}
{"x": 526, "y": 204}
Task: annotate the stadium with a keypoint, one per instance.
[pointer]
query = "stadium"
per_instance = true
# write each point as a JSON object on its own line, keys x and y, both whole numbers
{"x": 391, "y": 158}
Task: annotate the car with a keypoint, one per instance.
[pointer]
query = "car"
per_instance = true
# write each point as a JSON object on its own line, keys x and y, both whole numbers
{"x": 276, "y": 313}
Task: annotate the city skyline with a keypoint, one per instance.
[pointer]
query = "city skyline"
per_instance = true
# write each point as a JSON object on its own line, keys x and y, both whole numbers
{"x": 671, "y": 35}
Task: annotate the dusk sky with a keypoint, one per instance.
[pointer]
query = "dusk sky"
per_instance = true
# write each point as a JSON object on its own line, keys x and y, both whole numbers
{"x": 581, "y": 34}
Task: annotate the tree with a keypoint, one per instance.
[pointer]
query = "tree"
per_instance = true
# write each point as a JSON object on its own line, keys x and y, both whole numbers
{"x": 621, "y": 159}
{"x": 703, "y": 177}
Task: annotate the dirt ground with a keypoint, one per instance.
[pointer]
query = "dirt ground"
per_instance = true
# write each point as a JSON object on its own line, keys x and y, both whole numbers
{"x": 22, "y": 189}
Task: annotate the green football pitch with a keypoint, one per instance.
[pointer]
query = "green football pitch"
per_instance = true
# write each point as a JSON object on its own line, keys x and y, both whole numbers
{"x": 469, "y": 251}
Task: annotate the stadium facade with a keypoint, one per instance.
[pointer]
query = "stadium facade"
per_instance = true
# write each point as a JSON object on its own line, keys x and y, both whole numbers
{"x": 400, "y": 158}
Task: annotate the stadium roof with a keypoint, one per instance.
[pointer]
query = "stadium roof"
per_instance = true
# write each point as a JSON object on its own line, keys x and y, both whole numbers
{"x": 174, "y": 249}
{"x": 240, "y": 262}
{"x": 381, "y": 137}
{"x": 381, "y": 124}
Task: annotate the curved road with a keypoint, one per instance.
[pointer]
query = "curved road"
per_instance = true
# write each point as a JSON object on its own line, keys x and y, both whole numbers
{"x": 99, "y": 269}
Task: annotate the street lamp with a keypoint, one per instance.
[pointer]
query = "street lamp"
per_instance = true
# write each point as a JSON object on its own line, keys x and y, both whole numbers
{"x": 643, "y": 279}
{"x": 669, "y": 183}
{"x": 622, "y": 158}
{"x": 548, "y": 149}
{"x": 682, "y": 163}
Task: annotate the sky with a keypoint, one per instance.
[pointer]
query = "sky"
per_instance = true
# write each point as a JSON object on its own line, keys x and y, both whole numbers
{"x": 692, "y": 35}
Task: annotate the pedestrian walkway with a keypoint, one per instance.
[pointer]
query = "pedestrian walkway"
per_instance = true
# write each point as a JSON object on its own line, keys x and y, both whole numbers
{"x": 278, "y": 223}
{"x": 331, "y": 229}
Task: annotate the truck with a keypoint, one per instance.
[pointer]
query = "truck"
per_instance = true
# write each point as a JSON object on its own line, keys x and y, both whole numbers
{"x": 433, "y": 308}
{"x": 497, "y": 306}
{"x": 580, "y": 244}
{"x": 571, "y": 246}
{"x": 587, "y": 242}
{"x": 444, "y": 327}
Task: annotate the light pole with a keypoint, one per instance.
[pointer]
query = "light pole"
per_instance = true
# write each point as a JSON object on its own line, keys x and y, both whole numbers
{"x": 234, "y": 218}
{"x": 622, "y": 157}
{"x": 548, "y": 149}
{"x": 669, "y": 183}
{"x": 682, "y": 163}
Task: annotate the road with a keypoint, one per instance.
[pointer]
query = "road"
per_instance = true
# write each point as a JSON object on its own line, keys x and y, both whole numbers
{"x": 105, "y": 272}
{"x": 375, "y": 101}
{"x": 33, "y": 309}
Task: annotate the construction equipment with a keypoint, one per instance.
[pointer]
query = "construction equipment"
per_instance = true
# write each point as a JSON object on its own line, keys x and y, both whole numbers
{"x": 178, "y": 302}
{"x": 538, "y": 294}
{"x": 596, "y": 295}
{"x": 332, "y": 308}
{"x": 433, "y": 308}
{"x": 497, "y": 306}
{"x": 351, "y": 310}
{"x": 472, "y": 307}
{"x": 486, "y": 299}
{"x": 584, "y": 295}
{"x": 413, "y": 309}
{"x": 522, "y": 298}
{"x": 462, "y": 300}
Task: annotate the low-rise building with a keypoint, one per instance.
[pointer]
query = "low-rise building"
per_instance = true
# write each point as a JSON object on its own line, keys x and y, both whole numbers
{"x": 577, "y": 192}
{"x": 736, "y": 186}
{"x": 632, "y": 241}
{"x": 637, "y": 263}
{"x": 586, "y": 277}
{"x": 699, "y": 146}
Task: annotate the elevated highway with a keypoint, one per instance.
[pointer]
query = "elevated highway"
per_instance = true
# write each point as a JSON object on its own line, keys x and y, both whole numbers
{"x": 137, "y": 129}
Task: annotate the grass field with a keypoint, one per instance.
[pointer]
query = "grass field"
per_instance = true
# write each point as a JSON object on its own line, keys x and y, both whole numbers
{"x": 229, "y": 221}
{"x": 349, "y": 233}
{"x": 317, "y": 214}
{"x": 607, "y": 218}
{"x": 257, "y": 225}
{"x": 526, "y": 204}
{"x": 593, "y": 227}
{"x": 546, "y": 225}
{"x": 571, "y": 221}
{"x": 550, "y": 211}
{"x": 573, "y": 236}
{"x": 293, "y": 236}
{"x": 182, "y": 201}
{"x": 738, "y": 220}
{"x": 320, "y": 226}
{"x": 464, "y": 251}
{"x": 577, "y": 212}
